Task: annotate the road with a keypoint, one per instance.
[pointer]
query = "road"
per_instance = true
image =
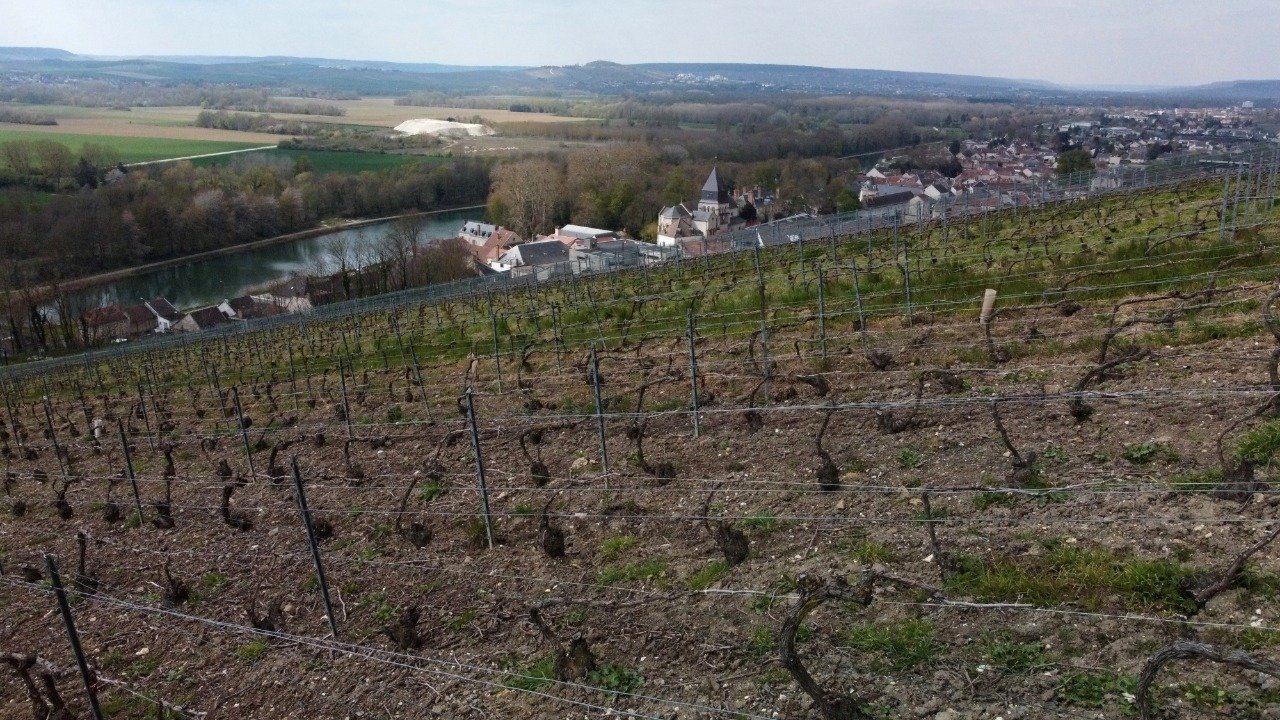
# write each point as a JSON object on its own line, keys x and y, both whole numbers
{"x": 206, "y": 155}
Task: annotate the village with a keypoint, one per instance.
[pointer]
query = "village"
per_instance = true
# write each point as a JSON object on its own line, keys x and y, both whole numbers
{"x": 1112, "y": 150}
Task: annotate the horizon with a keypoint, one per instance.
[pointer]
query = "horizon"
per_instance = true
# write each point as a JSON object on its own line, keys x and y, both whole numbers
{"x": 189, "y": 57}
{"x": 1077, "y": 43}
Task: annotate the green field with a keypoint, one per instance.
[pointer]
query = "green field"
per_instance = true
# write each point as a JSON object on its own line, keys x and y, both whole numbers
{"x": 326, "y": 161}
{"x": 131, "y": 149}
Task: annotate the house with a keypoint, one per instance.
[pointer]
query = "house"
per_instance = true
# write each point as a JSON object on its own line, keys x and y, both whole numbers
{"x": 894, "y": 203}
{"x": 247, "y": 307}
{"x": 300, "y": 294}
{"x": 202, "y": 319}
{"x": 541, "y": 252}
{"x": 104, "y": 324}
{"x": 487, "y": 242}
{"x": 714, "y": 214}
{"x": 141, "y": 319}
{"x": 870, "y": 191}
{"x": 937, "y": 190}
{"x": 581, "y": 237}
{"x": 166, "y": 315}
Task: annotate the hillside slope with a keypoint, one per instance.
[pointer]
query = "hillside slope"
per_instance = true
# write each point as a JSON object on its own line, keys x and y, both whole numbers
{"x": 1002, "y": 523}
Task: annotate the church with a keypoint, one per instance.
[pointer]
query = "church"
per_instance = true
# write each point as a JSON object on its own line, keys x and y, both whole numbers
{"x": 714, "y": 214}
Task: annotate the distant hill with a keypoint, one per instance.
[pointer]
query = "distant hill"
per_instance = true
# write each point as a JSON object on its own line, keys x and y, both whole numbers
{"x": 600, "y": 78}
{"x": 34, "y": 53}
{"x": 1236, "y": 90}
{"x": 319, "y": 62}
{"x": 823, "y": 76}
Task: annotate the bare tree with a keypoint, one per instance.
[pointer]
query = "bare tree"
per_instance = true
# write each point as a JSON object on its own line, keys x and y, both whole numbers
{"x": 398, "y": 247}
{"x": 337, "y": 253}
{"x": 527, "y": 191}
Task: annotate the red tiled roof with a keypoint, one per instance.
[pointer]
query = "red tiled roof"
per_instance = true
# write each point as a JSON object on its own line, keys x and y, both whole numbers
{"x": 98, "y": 317}
{"x": 140, "y": 315}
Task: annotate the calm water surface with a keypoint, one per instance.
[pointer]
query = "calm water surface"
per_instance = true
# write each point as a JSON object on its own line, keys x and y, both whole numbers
{"x": 210, "y": 281}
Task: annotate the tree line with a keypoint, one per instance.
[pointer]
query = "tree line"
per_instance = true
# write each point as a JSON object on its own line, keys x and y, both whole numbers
{"x": 96, "y": 93}
{"x": 248, "y": 122}
{"x": 50, "y": 165}
{"x": 21, "y": 116}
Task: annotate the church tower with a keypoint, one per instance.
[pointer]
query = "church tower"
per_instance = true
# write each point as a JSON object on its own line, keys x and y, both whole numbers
{"x": 713, "y": 206}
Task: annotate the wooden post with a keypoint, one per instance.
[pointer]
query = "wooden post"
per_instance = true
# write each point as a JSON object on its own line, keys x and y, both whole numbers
{"x": 13, "y": 422}
{"x": 142, "y": 405}
{"x": 857, "y": 296}
{"x": 822, "y": 311}
{"x": 497, "y": 357}
{"x": 693, "y": 376}
{"x": 293, "y": 379}
{"x": 559, "y": 341}
{"x": 346, "y": 406}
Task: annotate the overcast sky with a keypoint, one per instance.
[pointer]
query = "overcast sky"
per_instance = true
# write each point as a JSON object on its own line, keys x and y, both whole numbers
{"x": 1143, "y": 42}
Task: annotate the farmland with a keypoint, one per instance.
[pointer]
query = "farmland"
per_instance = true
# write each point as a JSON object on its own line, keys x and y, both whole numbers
{"x": 132, "y": 148}
{"x": 385, "y": 113}
{"x": 324, "y": 161}
{"x": 714, "y": 488}
{"x": 144, "y": 134}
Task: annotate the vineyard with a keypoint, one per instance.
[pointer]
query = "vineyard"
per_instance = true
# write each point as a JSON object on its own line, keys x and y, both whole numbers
{"x": 1014, "y": 466}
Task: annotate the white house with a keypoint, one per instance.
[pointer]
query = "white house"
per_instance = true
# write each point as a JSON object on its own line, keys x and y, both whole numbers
{"x": 166, "y": 315}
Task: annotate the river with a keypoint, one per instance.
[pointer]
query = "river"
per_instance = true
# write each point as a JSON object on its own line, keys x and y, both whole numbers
{"x": 211, "y": 280}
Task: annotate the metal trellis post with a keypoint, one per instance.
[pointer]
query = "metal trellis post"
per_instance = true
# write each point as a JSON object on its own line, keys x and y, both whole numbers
{"x": 693, "y": 376}
{"x": 484, "y": 488}
{"x": 595, "y": 384}
{"x": 64, "y": 608}
{"x": 244, "y": 432}
{"x": 315, "y": 546}
{"x": 128, "y": 463}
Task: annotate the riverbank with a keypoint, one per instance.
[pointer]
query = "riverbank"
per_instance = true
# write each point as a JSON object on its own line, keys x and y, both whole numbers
{"x": 110, "y": 276}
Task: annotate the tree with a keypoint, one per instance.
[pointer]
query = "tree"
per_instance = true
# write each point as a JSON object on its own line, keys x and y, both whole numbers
{"x": 86, "y": 174}
{"x": 847, "y": 201}
{"x": 748, "y": 212}
{"x": 679, "y": 188}
{"x": 1074, "y": 161}
{"x": 55, "y": 159}
{"x": 19, "y": 155}
{"x": 337, "y": 255}
{"x": 399, "y": 246}
{"x": 99, "y": 156}
{"x": 527, "y": 191}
